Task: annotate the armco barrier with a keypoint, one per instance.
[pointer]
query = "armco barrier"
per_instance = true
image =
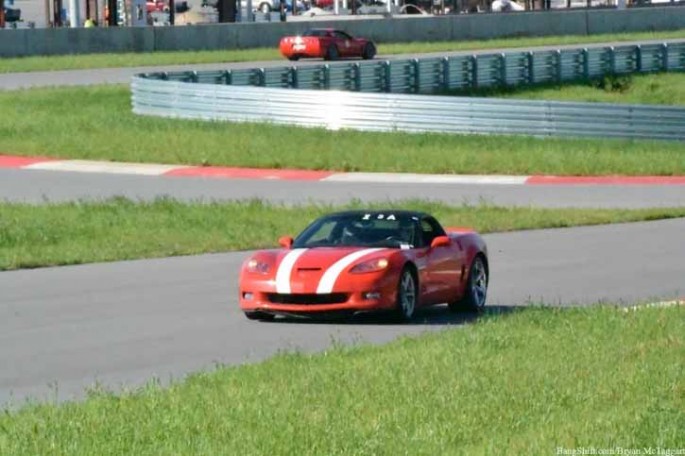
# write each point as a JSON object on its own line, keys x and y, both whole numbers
{"x": 226, "y": 95}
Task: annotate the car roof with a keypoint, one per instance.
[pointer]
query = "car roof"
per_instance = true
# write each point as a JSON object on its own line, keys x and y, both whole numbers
{"x": 326, "y": 29}
{"x": 405, "y": 212}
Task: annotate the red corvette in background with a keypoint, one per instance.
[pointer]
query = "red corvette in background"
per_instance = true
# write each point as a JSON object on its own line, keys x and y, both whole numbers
{"x": 363, "y": 261}
{"x": 329, "y": 44}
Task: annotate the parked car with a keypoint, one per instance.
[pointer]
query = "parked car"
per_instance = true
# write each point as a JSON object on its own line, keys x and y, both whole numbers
{"x": 12, "y": 14}
{"x": 367, "y": 261}
{"x": 157, "y": 6}
{"x": 266, "y": 6}
{"x": 330, "y": 44}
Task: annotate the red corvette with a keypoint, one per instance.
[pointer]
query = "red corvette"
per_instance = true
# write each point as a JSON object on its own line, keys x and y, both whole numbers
{"x": 363, "y": 261}
{"x": 329, "y": 44}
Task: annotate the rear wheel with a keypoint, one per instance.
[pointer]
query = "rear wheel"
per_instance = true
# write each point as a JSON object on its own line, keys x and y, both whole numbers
{"x": 261, "y": 316}
{"x": 406, "y": 296}
{"x": 476, "y": 288}
{"x": 369, "y": 51}
{"x": 331, "y": 53}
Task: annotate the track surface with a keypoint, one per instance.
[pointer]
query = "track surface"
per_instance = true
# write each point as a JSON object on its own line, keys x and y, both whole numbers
{"x": 129, "y": 321}
{"x": 13, "y": 81}
{"x": 38, "y": 186}
{"x": 62, "y": 329}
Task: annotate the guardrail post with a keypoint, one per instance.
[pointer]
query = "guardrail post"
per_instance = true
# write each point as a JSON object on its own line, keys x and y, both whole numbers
{"x": 326, "y": 76}
{"x": 586, "y": 63}
{"x": 357, "y": 69}
{"x": 192, "y": 76}
{"x": 262, "y": 77}
{"x": 612, "y": 60}
{"x": 557, "y": 66}
{"x": 228, "y": 77}
{"x": 638, "y": 58}
{"x": 294, "y": 81}
{"x": 474, "y": 71}
{"x": 664, "y": 56}
{"x": 503, "y": 69}
{"x": 416, "y": 80}
{"x": 446, "y": 73}
{"x": 254, "y": 77}
{"x": 386, "y": 77}
{"x": 530, "y": 61}
{"x": 165, "y": 76}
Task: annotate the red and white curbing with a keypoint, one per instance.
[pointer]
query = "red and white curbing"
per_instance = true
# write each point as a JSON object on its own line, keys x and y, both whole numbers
{"x": 221, "y": 172}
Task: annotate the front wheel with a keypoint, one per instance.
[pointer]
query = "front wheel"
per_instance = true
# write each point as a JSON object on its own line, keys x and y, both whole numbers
{"x": 476, "y": 288}
{"x": 369, "y": 51}
{"x": 406, "y": 296}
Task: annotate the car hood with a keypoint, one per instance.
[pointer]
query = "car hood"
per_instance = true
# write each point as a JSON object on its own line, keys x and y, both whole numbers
{"x": 315, "y": 270}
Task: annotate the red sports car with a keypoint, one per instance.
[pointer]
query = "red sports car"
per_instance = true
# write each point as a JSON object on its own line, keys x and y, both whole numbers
{"x": 329, "y": 44}
{"x": 363, "y": 261}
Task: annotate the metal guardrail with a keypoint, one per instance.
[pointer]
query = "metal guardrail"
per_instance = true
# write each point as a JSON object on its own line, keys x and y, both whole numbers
{"x": 223, "y": 95}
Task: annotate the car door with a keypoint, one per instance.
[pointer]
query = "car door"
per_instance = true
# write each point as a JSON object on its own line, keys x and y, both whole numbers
{"x": 346, "y": 45}
{"x": 443, "y": 263}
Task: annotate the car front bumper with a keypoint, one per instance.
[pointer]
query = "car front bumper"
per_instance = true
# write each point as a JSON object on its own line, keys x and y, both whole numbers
{"x": 367, "y": 296}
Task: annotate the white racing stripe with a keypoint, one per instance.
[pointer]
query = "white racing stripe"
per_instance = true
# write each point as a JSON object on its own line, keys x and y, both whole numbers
{"x": 331, "y": 275}
{"x": 86, "y": 166}
{"x": 407, "y": 178}
{"x": 285, "y": 269}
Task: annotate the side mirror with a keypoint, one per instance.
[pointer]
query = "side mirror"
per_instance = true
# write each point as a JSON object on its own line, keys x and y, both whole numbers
{"x": 285, "y": 241}
{"x": 439, "y": 241}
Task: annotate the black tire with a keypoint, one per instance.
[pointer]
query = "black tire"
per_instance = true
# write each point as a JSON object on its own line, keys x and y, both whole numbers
{"x": 476, "y": 288}
{"x": 407, "y": 295}
{"x": 294, "y": 58}
{"x": 369, "y": 51}
{"x": 332, "y": 53}
{"x": 261, "y": 316}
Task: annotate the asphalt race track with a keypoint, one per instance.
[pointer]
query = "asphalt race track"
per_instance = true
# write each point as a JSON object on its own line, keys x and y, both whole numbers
{"x": 123, "y": 323}
{"x": 12, "y": 81}
{"x": 36, "y": 186}
{"x": 127, "y": 322}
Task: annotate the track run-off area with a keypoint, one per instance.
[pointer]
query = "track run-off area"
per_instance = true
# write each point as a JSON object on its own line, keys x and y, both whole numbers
{"x": 121, "y": 324}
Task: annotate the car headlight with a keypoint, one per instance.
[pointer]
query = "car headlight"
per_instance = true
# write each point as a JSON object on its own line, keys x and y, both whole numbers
{"x": 257, "y": 266}
{"x": 375, "y": 265}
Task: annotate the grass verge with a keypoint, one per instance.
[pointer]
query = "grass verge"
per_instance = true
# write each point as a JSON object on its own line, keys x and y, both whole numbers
{"x": 73, "y": 62}
{"x": 120, "y": 229}
{"x": 45, "y": 122}
{"x": 528, "y": 382}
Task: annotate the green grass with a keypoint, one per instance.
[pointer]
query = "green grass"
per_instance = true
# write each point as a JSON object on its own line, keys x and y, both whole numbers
{"x": 526, "y": 382}
{"x": 120, "y": 229}
{"x": 97, "y": 123}
{"x": 72, "y": 62}
{"x": 655, "y": 89}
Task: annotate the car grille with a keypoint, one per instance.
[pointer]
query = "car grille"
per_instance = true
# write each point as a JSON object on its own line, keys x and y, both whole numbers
{"x": 307, "y": 299}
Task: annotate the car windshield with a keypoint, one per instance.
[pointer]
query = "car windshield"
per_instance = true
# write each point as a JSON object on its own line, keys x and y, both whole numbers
{"x": 372, "y": 229}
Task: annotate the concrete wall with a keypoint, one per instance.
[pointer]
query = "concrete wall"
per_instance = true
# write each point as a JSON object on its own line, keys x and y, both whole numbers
{"x": 26, "y": 42}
